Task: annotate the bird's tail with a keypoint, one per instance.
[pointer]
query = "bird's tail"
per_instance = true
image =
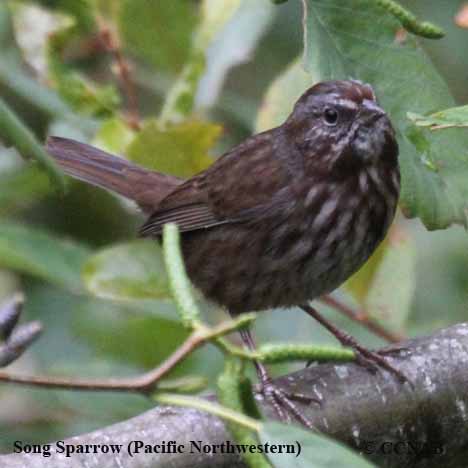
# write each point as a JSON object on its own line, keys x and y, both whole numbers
{"x": 96, "y": 167}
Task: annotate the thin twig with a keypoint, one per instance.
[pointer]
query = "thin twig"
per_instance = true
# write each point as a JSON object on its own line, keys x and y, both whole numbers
{"x": 362, "y": 318}
{"x": 145, "y": 383}
{"x": 124, "y": 71}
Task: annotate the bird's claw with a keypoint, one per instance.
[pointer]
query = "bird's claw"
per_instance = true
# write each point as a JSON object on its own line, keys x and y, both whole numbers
{"x": 283, "y": 403}
{"x": 375, "y": 360}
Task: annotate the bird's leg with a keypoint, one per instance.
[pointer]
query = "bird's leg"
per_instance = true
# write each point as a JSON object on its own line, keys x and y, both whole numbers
{"x": 364, "y": 356}
{"x": 362, "y": 318}
{"x": 281, "y": 400}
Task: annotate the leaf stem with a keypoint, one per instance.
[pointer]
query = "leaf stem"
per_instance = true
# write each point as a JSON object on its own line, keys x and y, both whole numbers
{"x": 15, "y": 132}
{"x": 210, "y": 407}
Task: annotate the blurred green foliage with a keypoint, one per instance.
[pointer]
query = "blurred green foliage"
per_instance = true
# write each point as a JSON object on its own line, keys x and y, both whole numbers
{"x": 102, "y": 296}
{"x": 133, "y": 270}
{"x": 182, "y": 149}
{"x": 158, "y": 32}
{"x": 453, "y": 117}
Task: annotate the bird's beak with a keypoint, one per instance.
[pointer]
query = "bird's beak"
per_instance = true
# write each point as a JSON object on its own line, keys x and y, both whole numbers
{"x": 371, "y": 111}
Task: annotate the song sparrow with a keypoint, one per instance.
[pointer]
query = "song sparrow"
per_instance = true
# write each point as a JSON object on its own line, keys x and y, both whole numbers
{"x": 281, "y": 219}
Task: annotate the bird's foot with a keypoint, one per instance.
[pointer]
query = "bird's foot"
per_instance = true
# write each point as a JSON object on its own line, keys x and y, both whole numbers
{"x": 282, "y": 401}
{"x": 373, "y": 360}
{"x": 284, "y": 404}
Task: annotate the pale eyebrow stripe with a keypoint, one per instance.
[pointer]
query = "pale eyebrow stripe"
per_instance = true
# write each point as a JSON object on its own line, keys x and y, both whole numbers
{"x": 341, "y": 102}
{"x": 346, "y": 103}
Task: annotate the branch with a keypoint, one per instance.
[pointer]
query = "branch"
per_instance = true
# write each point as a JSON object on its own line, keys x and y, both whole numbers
{"x": 145, "y": 383}
{"x": 358, "y": 408}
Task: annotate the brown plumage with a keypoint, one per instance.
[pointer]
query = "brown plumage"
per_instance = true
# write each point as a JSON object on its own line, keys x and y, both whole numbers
{"x": 92, "y": 165}
{"x": 281, "y": 219}
{"x": 284, "y": 217}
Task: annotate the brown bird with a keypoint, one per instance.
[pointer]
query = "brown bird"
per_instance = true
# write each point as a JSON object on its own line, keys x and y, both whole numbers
{"x": 281, "y": 219}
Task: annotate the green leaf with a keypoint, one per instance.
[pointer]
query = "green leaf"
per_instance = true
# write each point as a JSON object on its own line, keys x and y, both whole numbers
{"x": 16, "y": 82}
{"x": 317, "y": 451}
{"x": 233, "y": 45}
{"x": 21, "y": 184}
{"x": 282, "y": 94}
{"x": 134, "y": 270}
{"x": 356, "y": 38}
{"x": 180, "y": 150}
{"x": 24, "y": 91}
{"x": 453, "y": 117}
{"x": 215, "y": 14}
{"x": 390, "y": 296}
{"x": 38, "y": 253}
{"x": 360, "y": 283}
{"x": 22, "y": 188}
{"x": 114, "y": 136}
{"x": 80, "y": 10}
{"x": 80, "y": 92}
{"x": 137, "y": 338}
{"x": 159, "y": 32}
{"x": 180, "y": 100}
{"x": 41, "y": 102}
{"x": 6, "y": 28}
{"x": 140, "y": 334}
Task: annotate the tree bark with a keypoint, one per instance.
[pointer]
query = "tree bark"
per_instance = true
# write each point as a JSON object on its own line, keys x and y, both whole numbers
{"x": 397, "y": 425}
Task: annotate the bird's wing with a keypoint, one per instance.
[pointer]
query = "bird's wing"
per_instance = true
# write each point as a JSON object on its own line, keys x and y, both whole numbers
{"x": 238, "y": 187}
{"x": 187, "y": 217}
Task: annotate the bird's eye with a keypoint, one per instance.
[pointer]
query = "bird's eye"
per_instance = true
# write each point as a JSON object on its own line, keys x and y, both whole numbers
{"x": 330, "y": 116}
